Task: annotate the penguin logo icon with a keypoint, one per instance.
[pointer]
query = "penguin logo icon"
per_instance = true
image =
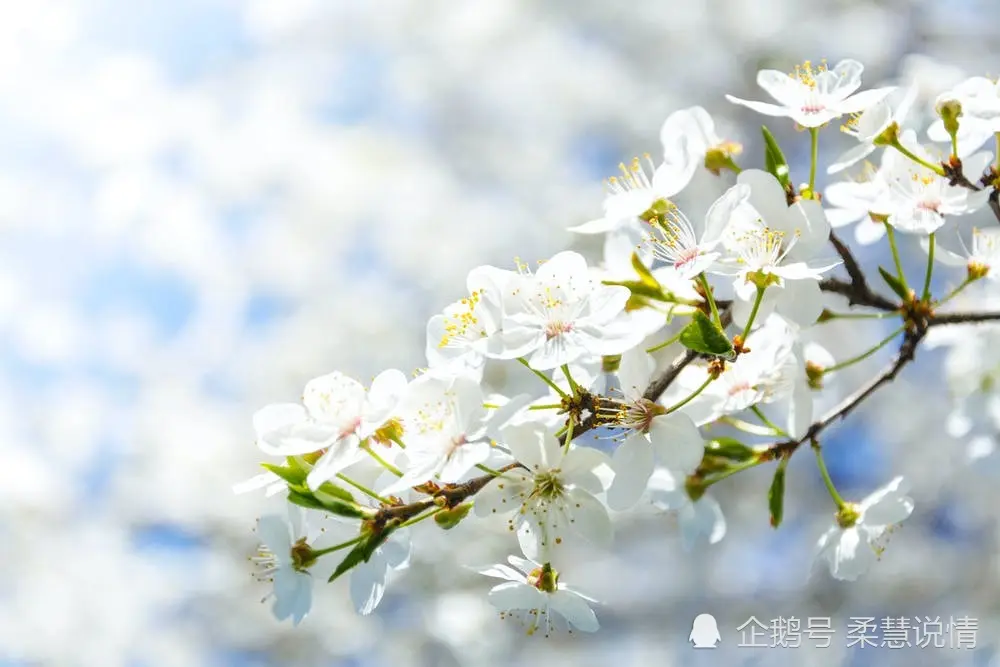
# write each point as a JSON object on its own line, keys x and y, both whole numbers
{"x": 704, "y": 632}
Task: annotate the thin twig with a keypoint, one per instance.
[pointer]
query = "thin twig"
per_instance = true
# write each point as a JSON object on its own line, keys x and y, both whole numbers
{"x": 906, "y": 354}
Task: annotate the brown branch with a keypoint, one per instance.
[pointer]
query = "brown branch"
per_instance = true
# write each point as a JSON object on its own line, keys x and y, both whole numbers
{"x": 660, "y": 383}
{"x": 963, "y": 318}
{"x": 907, "y": 351}
{"x": 857, "y": 295}
{"x": 953, "y": 170}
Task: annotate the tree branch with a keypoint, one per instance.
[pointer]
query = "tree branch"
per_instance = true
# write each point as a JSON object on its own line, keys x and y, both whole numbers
{"x": 907, "y": 351}
{"x": 857, "y": 294}
{"x": 963, "y": 318}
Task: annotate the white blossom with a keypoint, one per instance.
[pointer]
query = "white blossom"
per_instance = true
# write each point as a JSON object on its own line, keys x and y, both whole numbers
{"x": 650, "y": 434}
{"x": 690, "y": 250}
{"x": 778, "y": 244}
{"x": 553, "y": 494}
{"x": 534, "y": 594}
{"x": 813, "y": 96}
{"x": 980, "y": 118}
{"x": 701, "y": 519}
{"x": 561, "y": 314}
{"x": 856, "y": 539}
{"x": 336, "y": 414}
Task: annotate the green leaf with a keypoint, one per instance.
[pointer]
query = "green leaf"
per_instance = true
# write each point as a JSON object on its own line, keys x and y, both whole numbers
{"x": 331, "y": 489}
{"x": 776, "y": 494}
{"x": 730, "y": 448}
{"x": 702, "y": 335}
{"x": 894, "y": 283}
{"x": 289, "y": 474}
{"x": 775, "y": 160}
{"x": 354, "y": 557}
{"x": 362, "y": 552}
{"x": 303, "y": 500}
{"x": 645, "y": 276}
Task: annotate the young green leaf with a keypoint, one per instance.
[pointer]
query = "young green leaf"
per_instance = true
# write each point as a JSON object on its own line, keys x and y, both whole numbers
{"x": 702, "y": 335}
{"x": 774, "y": 159}
{"x": 730, "y": 448}
{"x": 895, "y": 284}
{"x": 776, "y": 494}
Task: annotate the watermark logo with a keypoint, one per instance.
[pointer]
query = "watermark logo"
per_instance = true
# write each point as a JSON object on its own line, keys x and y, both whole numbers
{"x": 704, "y": 632}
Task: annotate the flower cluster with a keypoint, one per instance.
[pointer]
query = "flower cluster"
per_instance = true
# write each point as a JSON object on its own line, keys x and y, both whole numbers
{"x": 684, "y": 358}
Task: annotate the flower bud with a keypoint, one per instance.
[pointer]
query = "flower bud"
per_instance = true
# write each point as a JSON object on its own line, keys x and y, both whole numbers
{"x": 449, "y": 518}
{"x": 949, "y": 110}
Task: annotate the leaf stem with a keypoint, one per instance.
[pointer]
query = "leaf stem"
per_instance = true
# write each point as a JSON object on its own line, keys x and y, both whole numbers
{"x": 544, "y": 378}
{"x": 814, "y": 157}
{"x": 703, "y": 281}
{"x": 666, "y": 343}
{"x": 753, "y": 312}
{"x": 826, "y": 477}
{"x": 930, "y": 268}
{"x": 864, "y": 355}
{"x": 677, "y": 406}
{"x": 363, "y": 489}
{"x": 891, "y": 233}
{"x": 767, "y": 422}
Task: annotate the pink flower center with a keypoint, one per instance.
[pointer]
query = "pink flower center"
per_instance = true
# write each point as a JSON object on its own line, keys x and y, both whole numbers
{"x": 812, "y": 108}
{"x": 556, "y": 328}
{"x": 685, "y": 256}
{"x": 739, "y": 387}
{"x": 932, "y": 205}
{"x": 350, "y": 427}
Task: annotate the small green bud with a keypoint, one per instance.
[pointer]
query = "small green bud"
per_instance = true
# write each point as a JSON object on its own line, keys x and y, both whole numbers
{"x": 720, "y": 157}
{"x": 814, "y": 375}
{"x": 949, "y": 111}
{"x": 449, "y": 518}
{"x": 610, "y": 364}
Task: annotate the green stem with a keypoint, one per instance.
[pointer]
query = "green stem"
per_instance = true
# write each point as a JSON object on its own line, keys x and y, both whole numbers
{"x": 747, "y": 427}
{"x": 930, "y": 268}
{"x": 666, "y": 343}
{"x": 753, "y": 312}
{"x": 363, "y": 489}
{"x": 814, "y": 158}
{"x": 891, "y": 233}
{"x": 826, "y": 477}
{"x": 547, "y": 406}
{"x": 336, "y": 547}
{"x": 936, "y": 168}
{"x": 864, "y": 355}
{"x": 954, "y": 292}
{"x": 574, "y": 387}
{"x": 382, "y": 462}
{"x": 767, "y": 422}
{"x": 544, "y": 378}
{"x": 569, "y": 434}
{"x": 489, "y": 471}
{"x": 711, "y": 299}
{"x": 677, "y": 406}
{"x": 746, "y": 465}
{"x": 857, "y": 316}
{"x": 420, "y": 518}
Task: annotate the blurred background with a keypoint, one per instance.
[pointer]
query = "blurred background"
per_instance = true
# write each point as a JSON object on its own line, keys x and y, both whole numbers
{"x": 206, "y": 203}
